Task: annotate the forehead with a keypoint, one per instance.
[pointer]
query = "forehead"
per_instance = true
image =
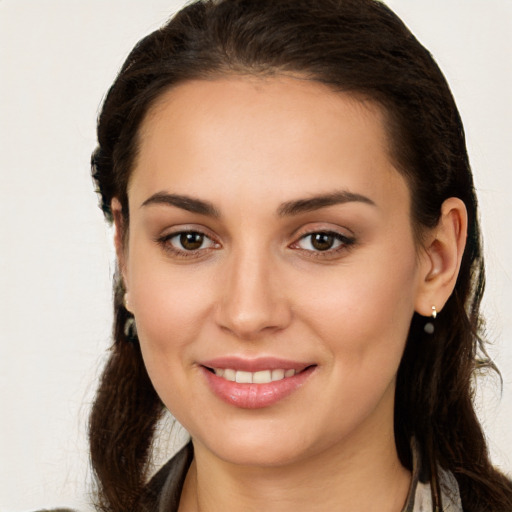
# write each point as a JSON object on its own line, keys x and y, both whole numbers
{"x": 279, "y": 135}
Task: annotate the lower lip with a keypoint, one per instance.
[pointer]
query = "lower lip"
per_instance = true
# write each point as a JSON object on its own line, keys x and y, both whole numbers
{"x": 255, "y": 396}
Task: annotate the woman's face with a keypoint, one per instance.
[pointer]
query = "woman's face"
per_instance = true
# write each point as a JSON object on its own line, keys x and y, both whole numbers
{"x": 270, "y": 243}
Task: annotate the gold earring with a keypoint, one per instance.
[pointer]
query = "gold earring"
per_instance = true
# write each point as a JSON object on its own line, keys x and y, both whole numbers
{"x": 429, "y": 326}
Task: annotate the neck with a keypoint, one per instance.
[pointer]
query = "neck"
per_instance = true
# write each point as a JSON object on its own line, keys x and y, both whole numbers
{"x": 353, "y": 476}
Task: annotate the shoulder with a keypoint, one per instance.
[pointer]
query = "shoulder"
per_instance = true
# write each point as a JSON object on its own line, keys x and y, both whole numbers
{"x": 431, "y": 491}
{"x": 450, "y": 492}
{"x": 163, "y": 492}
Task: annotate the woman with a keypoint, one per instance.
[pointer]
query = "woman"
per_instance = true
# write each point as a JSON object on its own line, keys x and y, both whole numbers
{"x": 300, "y": 268}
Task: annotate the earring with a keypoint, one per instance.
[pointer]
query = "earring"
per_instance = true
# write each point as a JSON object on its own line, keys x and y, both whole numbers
{"x": 429, "y": 326}
{"x": 130, "y": 330}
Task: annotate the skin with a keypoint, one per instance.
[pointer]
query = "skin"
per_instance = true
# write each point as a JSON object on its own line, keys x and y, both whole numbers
{"x": 258, "y": 287}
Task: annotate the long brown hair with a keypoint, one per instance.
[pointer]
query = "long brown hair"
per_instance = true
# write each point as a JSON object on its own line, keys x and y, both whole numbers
{"x": 354, "y": 46}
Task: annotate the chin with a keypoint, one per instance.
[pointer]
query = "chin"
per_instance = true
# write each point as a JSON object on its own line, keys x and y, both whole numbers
{"x": 262, "y": 444}
{"x": 257, "y": 454}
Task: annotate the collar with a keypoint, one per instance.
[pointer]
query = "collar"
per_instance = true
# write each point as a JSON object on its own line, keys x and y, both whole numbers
{"x": 435, "y": 493}
{"x": 164, "y": 490}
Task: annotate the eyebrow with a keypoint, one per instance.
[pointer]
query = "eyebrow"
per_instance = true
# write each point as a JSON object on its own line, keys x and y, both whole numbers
{"x": 286, "y": 209}
{"x": 184, "y": 202}
{"x": 321, "y": 201}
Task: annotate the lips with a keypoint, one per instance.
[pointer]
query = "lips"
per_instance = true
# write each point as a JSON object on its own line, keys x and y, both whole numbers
{"x": 254, "y": 384}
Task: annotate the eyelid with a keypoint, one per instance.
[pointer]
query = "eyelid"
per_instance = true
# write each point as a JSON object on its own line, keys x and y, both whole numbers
{"x": 322, "y": 227}
{"x": 181, "y": 233}
{"x": 338, "y": 241}
{"x": 164, "y": 241}
{"x": 347, "y": 241}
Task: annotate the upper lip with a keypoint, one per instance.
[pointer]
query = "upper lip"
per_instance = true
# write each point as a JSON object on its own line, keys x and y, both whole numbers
{"x": 255, "y": 365}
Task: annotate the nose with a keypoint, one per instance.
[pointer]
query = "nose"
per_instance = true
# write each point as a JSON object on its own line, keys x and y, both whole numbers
{"x": 252, "y": 300}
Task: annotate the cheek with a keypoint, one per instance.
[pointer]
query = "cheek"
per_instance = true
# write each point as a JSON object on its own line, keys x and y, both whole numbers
{"x": 170, "y": 311}
{"x": 363, "y": 311}
{"x": 362, "y": 320}
{"x": 169, "y": 304}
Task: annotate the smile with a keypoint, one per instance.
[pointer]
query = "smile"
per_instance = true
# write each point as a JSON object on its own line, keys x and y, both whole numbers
{"x": 261, "y": 377}
{"x": 255, "y": 384}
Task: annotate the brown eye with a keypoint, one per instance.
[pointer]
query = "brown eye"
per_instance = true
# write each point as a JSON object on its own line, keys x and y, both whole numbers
{"x": 191, "y": 241}
{"x": 187, "y": 242}
{"x": 322, "y": 241}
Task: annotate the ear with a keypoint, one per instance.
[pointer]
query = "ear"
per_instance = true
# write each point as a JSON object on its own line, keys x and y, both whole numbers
{"x": 119, "y": 241}
{"x": 442, "y": 256}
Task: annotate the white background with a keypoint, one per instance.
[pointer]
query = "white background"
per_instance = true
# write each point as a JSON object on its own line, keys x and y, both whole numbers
{"x": 57, "y": 59}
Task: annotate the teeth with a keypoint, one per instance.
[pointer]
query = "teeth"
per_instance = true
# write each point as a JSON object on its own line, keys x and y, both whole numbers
{"x": 244, "y": 377}
{"x": 261, "y": 377}
{"x": 229, "y": 374}
{"x": 277, "y": 375}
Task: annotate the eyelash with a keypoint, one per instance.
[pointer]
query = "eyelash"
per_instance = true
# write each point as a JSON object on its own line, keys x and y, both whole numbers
{"x": 165, "y": 242}
{"x": 344, "y": 243}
